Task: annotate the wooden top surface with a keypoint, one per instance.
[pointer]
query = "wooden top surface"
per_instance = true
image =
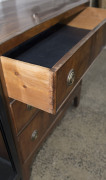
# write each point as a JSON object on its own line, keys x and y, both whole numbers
{"x": 17, "y": 16}
{"x": 89, "y": 18}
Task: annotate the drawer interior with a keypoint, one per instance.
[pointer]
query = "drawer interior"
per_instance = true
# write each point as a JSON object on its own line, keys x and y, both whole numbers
{"x": 36, "y": 71}
{"x": 47, "y": 48}
{"x": 89, "y": 18}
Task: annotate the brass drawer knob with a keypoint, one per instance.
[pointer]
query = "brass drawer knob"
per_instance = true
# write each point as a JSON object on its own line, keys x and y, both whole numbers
{"x": 71, "y": 77}
{"x": 34, "y": 135}
{"x": 29, "y": 107}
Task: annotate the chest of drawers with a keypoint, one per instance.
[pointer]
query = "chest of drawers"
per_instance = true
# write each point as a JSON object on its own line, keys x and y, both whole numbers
{"x": 43, "y": 58}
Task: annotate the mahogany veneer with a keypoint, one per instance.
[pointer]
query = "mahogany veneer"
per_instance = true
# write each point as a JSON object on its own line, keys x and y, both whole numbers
{"x": 22, "y": 114}
{"x": 51, "y": 83}
{"x": 41, "y": 69}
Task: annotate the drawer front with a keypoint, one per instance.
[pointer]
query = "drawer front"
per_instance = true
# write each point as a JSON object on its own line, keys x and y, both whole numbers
{"x": 31, "y": 136}
{"x": 47, "y": 88}
{"x": 74, "y": 65}
{"x": 21, "y": 113}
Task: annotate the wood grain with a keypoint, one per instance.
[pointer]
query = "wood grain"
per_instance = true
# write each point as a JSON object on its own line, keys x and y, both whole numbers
{"x": 89, "y": 18}
{"x": 41, "y": 122}
{"x": 21, "y": 115}
{"x": 53, "y": 121}
{"x": 19, "y": 26}
{"x": 46, "y": 88}
{"x": 28, "y": 83}
{"x": 79, "y": 58}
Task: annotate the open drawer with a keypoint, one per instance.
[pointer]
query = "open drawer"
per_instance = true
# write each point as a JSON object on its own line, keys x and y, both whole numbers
{"x": 43, "y": 71}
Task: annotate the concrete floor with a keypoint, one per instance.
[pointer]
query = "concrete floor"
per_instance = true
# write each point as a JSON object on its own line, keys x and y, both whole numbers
{"x": 76, "y": 150}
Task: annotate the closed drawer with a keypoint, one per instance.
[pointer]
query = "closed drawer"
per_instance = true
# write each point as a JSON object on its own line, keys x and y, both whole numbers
{"x": 43, "y": 72}
{"x": 22, "y": 114}
{"x": 31, "y": 136}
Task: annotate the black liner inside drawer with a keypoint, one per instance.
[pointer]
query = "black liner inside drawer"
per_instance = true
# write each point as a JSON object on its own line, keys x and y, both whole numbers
{"x": 49, "y": 46}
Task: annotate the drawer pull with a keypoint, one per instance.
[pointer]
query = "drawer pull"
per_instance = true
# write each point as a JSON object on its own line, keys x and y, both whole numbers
{"x": 34, "y": 135}
{"x": 29, "y": 107}
{"x": 36, "y": 18}
{"x": 71, "y": 77}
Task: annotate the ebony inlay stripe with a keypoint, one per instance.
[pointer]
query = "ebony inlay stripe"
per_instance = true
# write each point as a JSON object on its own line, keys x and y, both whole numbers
{"x": 48, "y": 47}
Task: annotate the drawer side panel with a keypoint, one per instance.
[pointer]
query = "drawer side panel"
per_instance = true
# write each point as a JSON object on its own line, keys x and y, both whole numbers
{"x": 89, "y": 18}
{"x": 30, "y": 84}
